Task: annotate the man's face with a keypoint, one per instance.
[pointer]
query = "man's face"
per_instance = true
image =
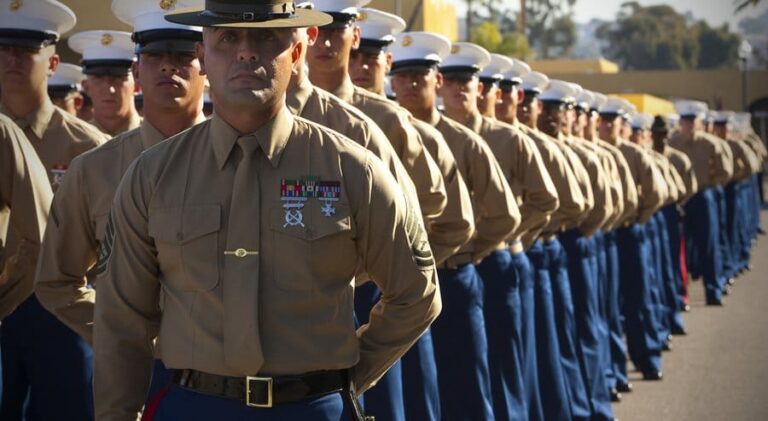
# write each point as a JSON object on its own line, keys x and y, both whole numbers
{"x": 460, "y": 93}
{"x": 488, "y": 98}
{"x": 416, "y": 89}
{"x": 529, "y": 111}
{"x": 249, "y": 67}
{"x": 332, "y": 49}
{"x": 506, "y": 108}
{"x": 70, "y": 103}
{"x": 553, "y": 119}
{"x": 687, "y": 125}
{"x": 26, "y": 68}
{"x": 581, "y": 120}
{"x": 609, "y": 127}
{"x": 170, "y": 79}
{"x": 368, "y": 70}
{"x": 111, "y": 95}
{"x": 720, "y": 130}
{"x": 626, "y": 129}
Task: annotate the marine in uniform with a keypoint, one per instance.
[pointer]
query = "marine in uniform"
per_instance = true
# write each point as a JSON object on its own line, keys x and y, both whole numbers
{"x": 26, "y": 193}
{"x": 49, "y": 360}
{"x": 581, "y": 247}
{"x": 173, "y": 87}
{"x": 229, "y": 237}
{"x": 460, "y": 339}
{"x": 528, "y": 113}
{"x": 369, "y": 66}
{"x": 64, "y": 87}
{"x": 675, "y": 215}
{"x": 712, "y": 169}
{"x": 501, "y": 79}
{"x": 107, "y": 57}
{"x": 508, "y": 269}
{"x": 640, "y": 322}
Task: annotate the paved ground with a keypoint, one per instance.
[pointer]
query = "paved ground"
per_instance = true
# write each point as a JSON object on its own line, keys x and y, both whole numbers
{"x": 719, "y": 371}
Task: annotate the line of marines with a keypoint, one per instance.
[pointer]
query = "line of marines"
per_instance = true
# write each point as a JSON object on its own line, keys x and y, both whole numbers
{"x": 544, "y": 222}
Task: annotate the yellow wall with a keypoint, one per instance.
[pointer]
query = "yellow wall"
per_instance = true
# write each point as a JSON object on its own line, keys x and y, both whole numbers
{"x": 717, "y": 87}
{"x": 648, "y": 103}
{"x": 434, "y": 15}
{"x": 574, "y": 66}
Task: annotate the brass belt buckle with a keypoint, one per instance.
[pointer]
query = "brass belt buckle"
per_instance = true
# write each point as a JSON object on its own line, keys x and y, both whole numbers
{"x": 269, "y": 383}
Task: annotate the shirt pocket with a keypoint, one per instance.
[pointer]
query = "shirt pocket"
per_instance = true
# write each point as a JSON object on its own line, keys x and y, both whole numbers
{"x": 317, "y": 256}
{"x": 187, "y": 242}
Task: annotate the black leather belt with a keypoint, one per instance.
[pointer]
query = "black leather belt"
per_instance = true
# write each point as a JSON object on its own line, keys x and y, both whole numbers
{"x": 263, "y": 392}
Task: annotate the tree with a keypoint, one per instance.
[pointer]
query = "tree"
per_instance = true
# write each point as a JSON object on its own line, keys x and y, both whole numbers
{"x": 743, "y": 4}
{"x": 550, "y": 26}
{"x": 654, "y": 37}
{"x": 718, "y": 47}
{"x": 512, "y": 44}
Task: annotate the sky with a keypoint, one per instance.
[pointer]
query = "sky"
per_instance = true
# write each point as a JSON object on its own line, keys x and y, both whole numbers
{"x": 715, "y": 12}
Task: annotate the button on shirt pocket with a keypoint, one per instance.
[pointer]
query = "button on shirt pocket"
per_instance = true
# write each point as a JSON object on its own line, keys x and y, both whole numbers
{"x": 315, "y": 257}
{"x": 187, "y": 242}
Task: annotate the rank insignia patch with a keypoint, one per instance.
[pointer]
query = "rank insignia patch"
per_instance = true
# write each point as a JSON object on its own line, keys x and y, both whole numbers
{"x": 417, "y": 237}
{"x": 105, "y": 249}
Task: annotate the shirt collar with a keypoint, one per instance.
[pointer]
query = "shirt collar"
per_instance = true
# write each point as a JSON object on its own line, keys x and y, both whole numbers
{"x": 150, "y": 136}
{"x": 272, "y": 137}
{"x": 296, "y": 98}
{"x": 37, "y": 120}
{"x": 345, "y": 90}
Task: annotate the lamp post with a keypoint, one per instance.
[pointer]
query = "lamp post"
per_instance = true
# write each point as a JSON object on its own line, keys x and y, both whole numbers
{"x": 745, "y": 50}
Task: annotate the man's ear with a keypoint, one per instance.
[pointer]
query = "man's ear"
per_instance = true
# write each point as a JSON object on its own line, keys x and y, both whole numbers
{"x": 438, "y": 80}
{"x": 355, "y": 37}
{"x": 498, "y": 95}
{"x": 78, "y": 100}
{"x": 312, "y": 33}
{"x": 53, "y": 63}
{"x": 296, "y": 61}
{"x": 200, "y": 52}
{"x": 480, "y": 88}
{"x": 388, "y": 58}
{"x": 520, "y": 95}
{"x": 86, "y": 86}
{"x": 135, "y": 70}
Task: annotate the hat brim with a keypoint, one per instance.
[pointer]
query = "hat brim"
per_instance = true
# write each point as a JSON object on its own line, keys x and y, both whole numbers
{"x": 301, "y": 18}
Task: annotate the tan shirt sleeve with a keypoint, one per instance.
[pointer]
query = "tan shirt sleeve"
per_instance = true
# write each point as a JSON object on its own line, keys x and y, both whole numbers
{"x": 26, "y": 191}
{"x": 651, "y": 187}
{"x": 628, "y": 188}
{"x": 571, "y": 201}
{"x": 455, "y": 226}
{"x": 582, "y": 179}
{"x": 601, "y": 193}
{"x": 497, "y": 215}
{"x": 410, "y": 298}
{"x": 539, "y": 196}
{"x": 68, "y": 251}
{"x": 722, "y": 166}
{"x": 614, "y": 185}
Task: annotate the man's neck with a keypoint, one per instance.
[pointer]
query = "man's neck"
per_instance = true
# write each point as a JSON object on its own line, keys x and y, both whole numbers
{"x": 462, "y": 115}
{"x": 329, "y": 81}
{"x": 170, "y": 122}
{"x": 21, "y": 104}
{"x": 248, "y": 120}
{"x": 423, "y": 114}
{"x": 112, "y": 123}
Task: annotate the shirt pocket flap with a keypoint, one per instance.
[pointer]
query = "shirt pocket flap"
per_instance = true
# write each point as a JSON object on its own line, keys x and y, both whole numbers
{"x": 181, "y": 225}
{"x": 314, "y": 223}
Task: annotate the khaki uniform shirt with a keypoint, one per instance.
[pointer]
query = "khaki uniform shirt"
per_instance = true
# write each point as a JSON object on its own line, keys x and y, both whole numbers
{"x": 756, "y": 143}
{"x": 628, "y": 188}
{"x": 76, "y": 227}
{"x": 496, "y": 213}
{"x": 395, "y": 122}
{"x": 455, "y": 226}
{"x": 672, "y": 181}
{"x": 600, "y": 187}
{"x": 524, "y": 170}
{"x": 25, "y": 193}
{"x": 582, "y": 178}
{"x": 321, "y": 107}
{"x": 685, "y": 169}
{"x": 164, "y": 276}
{"x": 133, "y": 122}
{"x": 571, "y": 201}
{"x": 613, "y": 179}
{"x": 745, "y": 161}
{"x": 708, "y": 156}
{"x": 57, "y": 137}
{"x": 647, "y": 178}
